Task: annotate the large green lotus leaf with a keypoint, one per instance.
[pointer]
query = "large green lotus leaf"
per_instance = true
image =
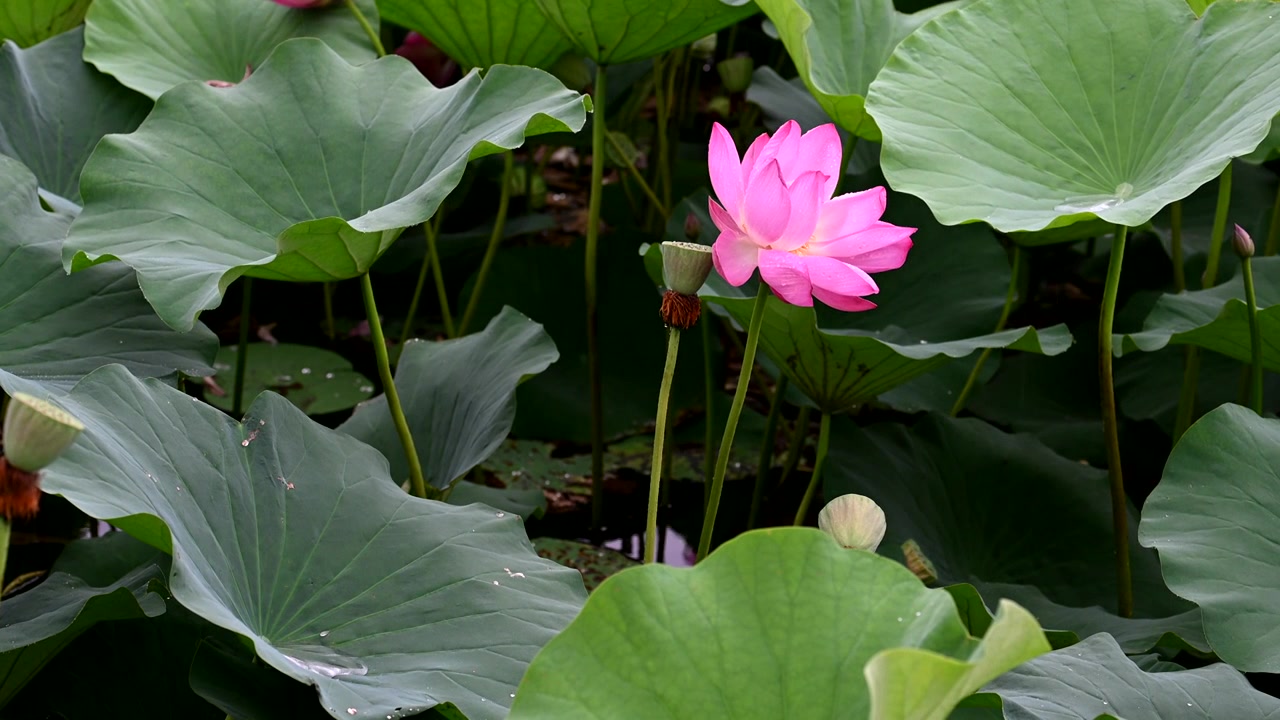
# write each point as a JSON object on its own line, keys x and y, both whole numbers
{"x": 1027, "y": 115}
{"x": 59, "y": 328}
{"x": 1212, "y": 519}
{"x": 990, "y": 508}
{"x": 1216, "y": 319}
{"x": 294, "y": 536}
{"x": 838, "y": 369}
{"x": 612, "y": 32}
{"x": 839, "y": 46}
{"x": 776, "y": 623}
{"x": 153, "y": 45}
{"x": 482, "y": 33}
{"x": 1094, "y": 679}
{"x": 459, "y": 397}
{"x": 290, "y": 180}
{"x": 108, "y": 578}
{"x": 57, "y": 108}
{"x": 318, "y": 381}
{"x": 27, "y": 22}
{"x": 1270, "y": 147}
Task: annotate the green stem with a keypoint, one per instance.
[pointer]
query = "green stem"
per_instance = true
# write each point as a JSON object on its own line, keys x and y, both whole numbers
{"x": 593, "y": 353}
{"x": 1175, "y": 246}
{"x": 1255, "y": 336}
{"x": 1187, "y": 395}
{"x": 765, "y": 462}
{"x": 660, "y": 98}
{"x": 330, "y": 329}
{"x": 1119, "y": 511}
{"x": 659, "y": 438}
{"x": 437, "y": 274}
{"x": 242, "y": 350}
{"x": 1273, "y": 234}
{"x": 846, "y": 163}
{"x": 374, "y": 40}
{"x": 495, "y": 239}
{"x": 639, "y": 178}
{"x": 407, "y": 331}
{"x": 416, "y": 481}
{"x": 796, "y": 446}
{"x": 709, "y": 415}
{"x": 824, "y": 441}
{"x": 1219, "y": 228}
{"x": 1009, "y": 298}
{"x": 731, "y": 423}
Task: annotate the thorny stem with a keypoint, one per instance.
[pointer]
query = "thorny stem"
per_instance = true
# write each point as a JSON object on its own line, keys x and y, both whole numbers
{"x": 731, "y": 423}
{"x": 765, "y": 462}
{"x": 1119, "y": 512}
{"x": 1273, "y": 233}
{"x": 824, "y": 441}
{"x": 639, "y": 178}
{"x": 659, "y": 438}
{"x": 437, "y": 274}
{"x": 796, "y": 446}
{"x": 374, "y": 40}
{"x": 417, "y": 482}
{"x": 1255, "y": 337}
{"x": 495, "y": 239}
{"x": 1009, "y": 299}
{"x": 242, "y": 350}
{"x": 1175, "y": 246}
{"x": 593, "y": 353}
{"x": 1191, "y": 371}
{"x": 428, "y": 228}
{"x": 709, "y": 415}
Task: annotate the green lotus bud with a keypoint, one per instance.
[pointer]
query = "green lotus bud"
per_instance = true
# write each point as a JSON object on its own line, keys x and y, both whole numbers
{"x": 720, "y": 105}
{"x": 918, "y": 563}
{"x": 571, "y": 70}
{"x": 1243, "y": 243}
{"x": 518, "y": 180}
{"x": 36, "y": 432}
{"x": 685, "y": 266}
{"x": 537, "y": 192}
{"x": 735, "y": 73}
{"x": 704, "y": 48}
{"x": 855, "y": 521}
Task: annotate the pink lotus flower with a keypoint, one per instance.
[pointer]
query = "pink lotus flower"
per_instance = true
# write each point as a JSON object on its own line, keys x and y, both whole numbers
{"x": 778, "y": 215}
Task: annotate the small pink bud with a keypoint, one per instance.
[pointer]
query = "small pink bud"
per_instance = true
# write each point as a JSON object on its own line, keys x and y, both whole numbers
{"x": 248, "y": 70}
{"x": 430, "y": 60}
{"x": 1243, "y": 243}
{"x": 692, "y": 227}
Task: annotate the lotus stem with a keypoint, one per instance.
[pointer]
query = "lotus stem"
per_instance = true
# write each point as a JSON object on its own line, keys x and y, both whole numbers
{"x": 765, "y": 462}
{"x": 1191, "y": 369}
{"x": 639, "y": 178}
{"x": 846, "y": 163}
{"x": 1119, "y": 510}
{"x": 437, "y": 274}
{"x": 659, "y": 438}
{"x": 662, "y": 112}
{"x": 242, "y": 350}
{"x": 1273, "y": 233}
{"x": 731, "y": 422}
{"x": 593, "y": 350}
{"x": 1175, "y": 246}
{"x": 824, "y": 441}
{"x": 330, "y": 329}
{"x": 796, "y": 445}
{"x": 1009, "y": 299}
{"x": 428, "y": 228}
{"x": 495, "y": 239}
{"x": 1255, "y": 337}
{"x": 374, "y": 40}
{"x": 417, "y": 483}
{"x": 709, "y": 415}
{"x": 5, "y": 531}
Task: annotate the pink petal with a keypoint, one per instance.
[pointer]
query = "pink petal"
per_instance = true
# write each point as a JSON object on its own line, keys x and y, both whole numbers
{"x": 889, "y": 257}
{"x": 807, "y": 194}
{"x": 753, "y": 154}
{"x": 838, "y": 278}
{"x": 787, "y": 275}
{"x": 725, "y": 169}
{"x": 820, "y": 150}
{"x": 734, "y": 257}
{"x": 722, "y": 219}
{"x": 843, "y": 303}
{"x": 782, "y": 147}
{"x": 851, "y": 212}
{"x": 767, "y": 206}
{"x": 873, "y": 249}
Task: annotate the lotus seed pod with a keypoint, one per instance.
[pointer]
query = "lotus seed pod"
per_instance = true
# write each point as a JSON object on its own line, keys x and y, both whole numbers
{"x": 735, "y": 73}
{"x": 685, "y": 266}
{"x": 720, "y": 105}
{"x": 1243, "y": 243}
{"x": 36, "y": 432}
{"x": 855, "y": 521}
{"x": 918, "y": 563}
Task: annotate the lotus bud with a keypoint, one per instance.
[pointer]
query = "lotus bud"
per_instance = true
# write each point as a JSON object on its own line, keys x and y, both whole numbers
{"x": 572, "y": 71}
{"x": 735, "y": 73}
{"x": 720, "y": 105}
{"x": 692, "y": 227}
{"x": 36, "y": 432}
{"x": 704, "y": 48}
{"x": 854, "y": 521}
{"x": 304, "y": 4}
{"x": 518, "y": 180}
{"x": 1243, "y": 243}
{"x": 430, "y": 60}
{"x": 537, "y": 192}
{"x": 918, "y": 563}
{"x": 248, "y": 70}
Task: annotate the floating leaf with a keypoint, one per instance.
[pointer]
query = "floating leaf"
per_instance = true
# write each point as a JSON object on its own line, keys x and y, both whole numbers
{"x": 595, "y": 563}
{"x": 840, "y": 45}
{"x": 1212, "y": 519}
{"x": 295, "y": 537}
{"x": 27, "y": 22}
{"x": 316, "y": 380}
{"x": 235, "y": 202}
{"x": 153, "y": 45}
{"x": 482, "y": 34}
{"x": 57, "y": 108}
{"x": 772, "y": 621}
{"x": 611, "y": 32}
{"x": 1094, "y": 679}
{"x": 58, "y": 328}
{"x": 458, "y": 396}
{"x": 1030, "y": 115}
